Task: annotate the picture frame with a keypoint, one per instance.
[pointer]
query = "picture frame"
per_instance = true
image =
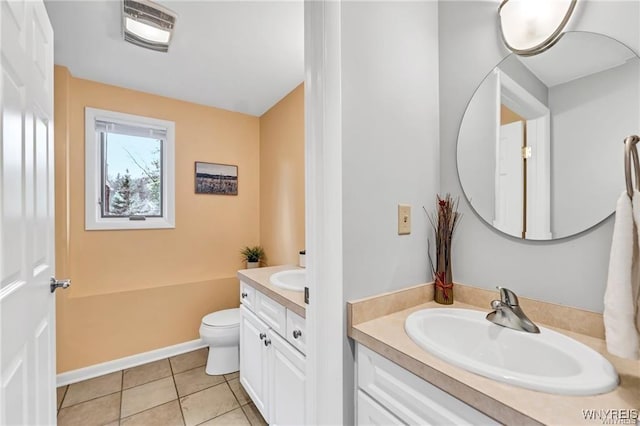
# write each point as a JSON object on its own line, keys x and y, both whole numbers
{"x": 216, "y": 178}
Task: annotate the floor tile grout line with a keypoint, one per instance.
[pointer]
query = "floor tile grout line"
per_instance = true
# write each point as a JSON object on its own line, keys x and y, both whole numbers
{"x": 240, "y": 406}
{"x": 142, "y": 384}
{"x": 149, "y": 409}
{"x": 223, "y": 413}
{"x": 220, "y": 414}
{"x": 77, "y": 403}
{"x": 192, "y": 368}
{"x": 64, "y": 394}
{"x": 121, "y": 397}
{"x": 199, "y": 390}
{"x": 173, "y": 377}
{"x": 178, "y": 397}
{"x": 196, "y": 368}
{"x": 202, "y": 390}
{"x": 141, "y": 365}
{"x": 88, "y": 400}
{"x": 234, "y": 394}
{"x": 256, "y": 409}
{"x": 146, "y": 409}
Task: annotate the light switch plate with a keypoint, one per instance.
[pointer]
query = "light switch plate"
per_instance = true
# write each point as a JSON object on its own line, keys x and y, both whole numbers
{"x": 404, "y": 219}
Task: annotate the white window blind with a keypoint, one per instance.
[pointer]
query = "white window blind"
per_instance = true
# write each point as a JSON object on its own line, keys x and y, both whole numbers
{"x": 130, "y": 129}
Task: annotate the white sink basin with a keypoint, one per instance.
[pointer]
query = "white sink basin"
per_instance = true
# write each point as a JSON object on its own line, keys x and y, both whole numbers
{"x": 547, "y": 362}
{"x": 294, "y": 279}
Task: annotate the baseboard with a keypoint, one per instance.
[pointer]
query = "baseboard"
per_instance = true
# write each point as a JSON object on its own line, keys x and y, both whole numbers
{"x": 96, "y": 370}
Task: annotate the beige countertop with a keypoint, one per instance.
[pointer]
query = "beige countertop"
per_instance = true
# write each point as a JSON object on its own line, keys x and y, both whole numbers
{"x": 258, "y": 278}
{"x": 505, "y": 403}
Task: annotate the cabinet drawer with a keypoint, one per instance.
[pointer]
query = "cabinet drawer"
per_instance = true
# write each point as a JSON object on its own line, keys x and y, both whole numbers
{"x": 296, "y": 333}
{"x": 271, "y": 312}
{"x": 247, "y": 295}
{"x": 409, "y": 397}
{"x": 370, "y": 412}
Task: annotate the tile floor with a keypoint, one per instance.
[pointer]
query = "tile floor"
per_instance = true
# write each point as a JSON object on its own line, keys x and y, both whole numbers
{"x": 173, "y": 391}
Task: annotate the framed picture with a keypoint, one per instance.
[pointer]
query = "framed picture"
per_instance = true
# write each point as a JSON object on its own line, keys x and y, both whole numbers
{"x": 212, "y": 178}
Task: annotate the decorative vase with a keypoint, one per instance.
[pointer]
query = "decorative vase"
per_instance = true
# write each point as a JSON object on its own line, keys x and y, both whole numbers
{"x": 443, "y": 292}
{"x": 251, "y": 265}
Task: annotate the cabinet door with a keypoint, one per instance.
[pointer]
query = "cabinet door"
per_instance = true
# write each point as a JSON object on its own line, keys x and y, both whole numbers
{"x": 287, "y": 383}
{"x": 254, "y": 359}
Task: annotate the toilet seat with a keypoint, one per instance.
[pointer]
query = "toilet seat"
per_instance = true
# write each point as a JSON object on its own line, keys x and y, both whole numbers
{"x": 228, "y": 318}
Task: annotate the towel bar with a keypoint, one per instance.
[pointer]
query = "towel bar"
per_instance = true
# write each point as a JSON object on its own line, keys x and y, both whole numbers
{"x": 631, "y": 151}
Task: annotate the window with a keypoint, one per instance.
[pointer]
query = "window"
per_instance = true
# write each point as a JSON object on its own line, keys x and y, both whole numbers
{"x": 129, "y": 171}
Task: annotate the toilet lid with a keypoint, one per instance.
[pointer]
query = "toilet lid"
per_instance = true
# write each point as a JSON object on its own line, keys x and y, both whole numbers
{"x": 225, "y": 318}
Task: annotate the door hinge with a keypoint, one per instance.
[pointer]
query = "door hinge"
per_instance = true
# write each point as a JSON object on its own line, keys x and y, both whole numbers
{"x": 306, "y": 295}
{"x": 526, "y": 152}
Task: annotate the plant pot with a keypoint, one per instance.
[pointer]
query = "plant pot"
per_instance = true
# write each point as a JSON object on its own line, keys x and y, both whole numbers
{"x": 443, "y": 291}
{"x": 251, "y": 265}
{"x": 443, "y": 294}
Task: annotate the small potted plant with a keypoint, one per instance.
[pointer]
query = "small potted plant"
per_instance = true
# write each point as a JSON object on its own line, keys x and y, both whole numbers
{"x": 254, "y": 256}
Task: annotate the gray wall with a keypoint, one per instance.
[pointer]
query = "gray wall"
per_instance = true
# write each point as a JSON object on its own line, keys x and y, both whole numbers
{"x": 598, "y": 112}
{"x": 390, "y": 148}
{"x": 570, "y": 271}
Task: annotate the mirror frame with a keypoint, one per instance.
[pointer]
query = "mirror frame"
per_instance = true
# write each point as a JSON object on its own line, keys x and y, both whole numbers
{"x": 466, "y": 108}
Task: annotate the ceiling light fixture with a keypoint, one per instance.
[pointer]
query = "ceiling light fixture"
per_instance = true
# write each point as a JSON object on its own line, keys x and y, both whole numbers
{"x": 147, "y": 24}
{"x": 530, "y": 27}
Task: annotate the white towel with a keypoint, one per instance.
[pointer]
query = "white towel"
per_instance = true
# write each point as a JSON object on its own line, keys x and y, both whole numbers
{"x": 621, "y": 295}
{"x": 635, "y": 276}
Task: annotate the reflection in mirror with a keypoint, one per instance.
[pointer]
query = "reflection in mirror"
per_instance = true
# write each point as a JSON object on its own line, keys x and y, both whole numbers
{"x": 540, "y": 145}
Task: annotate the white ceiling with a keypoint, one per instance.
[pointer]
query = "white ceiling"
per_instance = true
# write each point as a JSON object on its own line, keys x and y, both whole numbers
{"x": 577, "y": 55}
{"x": 236, "y": 55}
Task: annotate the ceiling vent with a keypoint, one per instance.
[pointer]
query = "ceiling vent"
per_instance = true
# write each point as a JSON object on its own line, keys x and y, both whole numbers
{"x": 147, "y": 24}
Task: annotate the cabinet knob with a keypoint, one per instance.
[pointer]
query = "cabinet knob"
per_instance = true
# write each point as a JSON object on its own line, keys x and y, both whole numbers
{"x": 262, "y": 336}
{"x": 297, "y": 333}
{"x": 244, "y": 295}
{"x": 267, "y": 342}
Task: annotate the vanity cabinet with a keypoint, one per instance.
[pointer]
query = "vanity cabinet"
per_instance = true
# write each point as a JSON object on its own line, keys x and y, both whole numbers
{"x": 389, "y": 394}
{"x": 272, "y": 360}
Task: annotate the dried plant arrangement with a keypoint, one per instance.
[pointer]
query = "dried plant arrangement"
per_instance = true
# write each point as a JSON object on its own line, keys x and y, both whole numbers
{"x": 444, "y": 222}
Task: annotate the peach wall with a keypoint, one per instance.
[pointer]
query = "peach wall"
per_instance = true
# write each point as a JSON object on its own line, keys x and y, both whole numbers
{"x": 509, "y": 116}
{"x": 138, "y": 290}
{"x": 282, "y": 179}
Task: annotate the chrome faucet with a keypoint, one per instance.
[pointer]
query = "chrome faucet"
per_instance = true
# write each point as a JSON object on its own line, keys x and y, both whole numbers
{"x": 507, "y": 313}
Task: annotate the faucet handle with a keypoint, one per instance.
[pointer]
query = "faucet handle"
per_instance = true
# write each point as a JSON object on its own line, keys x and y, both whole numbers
{"x": 496, "y": 304}
{"x": 507, "y": 296}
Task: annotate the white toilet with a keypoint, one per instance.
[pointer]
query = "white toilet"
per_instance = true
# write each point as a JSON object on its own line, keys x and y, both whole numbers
{"x": 221, "y": 331}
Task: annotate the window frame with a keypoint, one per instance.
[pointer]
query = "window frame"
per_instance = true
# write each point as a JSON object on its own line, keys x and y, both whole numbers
{"x": 94, "y": 220}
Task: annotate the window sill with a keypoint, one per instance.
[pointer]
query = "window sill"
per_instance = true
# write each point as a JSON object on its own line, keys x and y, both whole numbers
{"x": 124, "y": 224}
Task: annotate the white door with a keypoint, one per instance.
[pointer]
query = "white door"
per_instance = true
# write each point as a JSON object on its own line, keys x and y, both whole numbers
{"x": 254, "y": 359}
{"x": 27, "y": 316}
{"x": 509, "y": 180}
{"x": 287, "y": 381}
{"x": 539, "y": 178}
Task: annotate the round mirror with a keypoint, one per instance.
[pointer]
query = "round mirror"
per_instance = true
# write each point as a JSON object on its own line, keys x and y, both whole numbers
{"x": 540, "y": 147}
